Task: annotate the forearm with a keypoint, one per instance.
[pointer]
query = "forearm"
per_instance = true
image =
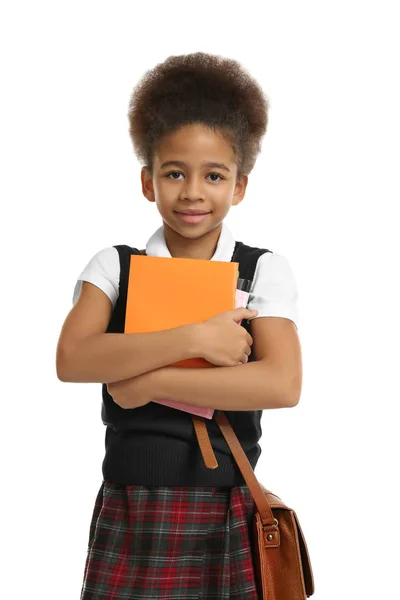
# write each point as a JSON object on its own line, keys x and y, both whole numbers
{"x": 109, "y": 357}
{"x": 252, "y": 386}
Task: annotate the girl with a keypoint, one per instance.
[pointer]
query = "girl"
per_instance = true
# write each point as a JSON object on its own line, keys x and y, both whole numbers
{"x": 164, "y": 525}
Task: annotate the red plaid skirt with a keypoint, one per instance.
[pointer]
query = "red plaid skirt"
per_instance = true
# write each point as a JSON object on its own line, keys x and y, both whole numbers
{"x": 170, "y": 543}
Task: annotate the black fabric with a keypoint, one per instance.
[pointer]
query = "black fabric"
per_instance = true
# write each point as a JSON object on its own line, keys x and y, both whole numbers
{"x": 156, "y": 444}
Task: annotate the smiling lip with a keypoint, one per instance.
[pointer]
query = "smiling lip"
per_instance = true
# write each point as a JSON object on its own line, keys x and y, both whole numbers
{"x": 191, "y": 217}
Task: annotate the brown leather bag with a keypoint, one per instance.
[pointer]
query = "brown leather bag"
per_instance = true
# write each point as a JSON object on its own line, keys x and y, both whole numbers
{"x": 281, "y": 561}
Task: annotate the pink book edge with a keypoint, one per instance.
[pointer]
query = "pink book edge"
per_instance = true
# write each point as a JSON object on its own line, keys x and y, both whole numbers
{"x": 200, "y": 411}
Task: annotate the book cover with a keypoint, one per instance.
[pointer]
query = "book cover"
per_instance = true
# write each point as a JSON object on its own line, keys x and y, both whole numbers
{"x": 168, "y": 292}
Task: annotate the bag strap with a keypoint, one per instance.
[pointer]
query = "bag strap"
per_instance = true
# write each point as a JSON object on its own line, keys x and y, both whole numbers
{"x": 257, "y": 491}
{"x": 247, "y": 257}
{"x": 270, "y": 526}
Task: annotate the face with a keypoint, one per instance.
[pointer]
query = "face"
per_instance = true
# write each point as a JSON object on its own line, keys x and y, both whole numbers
{"x": 186, "y": 182}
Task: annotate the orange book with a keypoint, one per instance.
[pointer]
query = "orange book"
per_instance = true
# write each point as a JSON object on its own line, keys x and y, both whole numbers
{"x": 167, "y": 292}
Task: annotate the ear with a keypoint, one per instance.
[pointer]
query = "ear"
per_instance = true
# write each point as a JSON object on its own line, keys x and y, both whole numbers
{"x": 147, "y": 184}
{"x": 240, "y": 189}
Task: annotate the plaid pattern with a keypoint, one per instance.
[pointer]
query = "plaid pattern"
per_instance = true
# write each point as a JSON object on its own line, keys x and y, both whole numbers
{"x": 170, "y": 543}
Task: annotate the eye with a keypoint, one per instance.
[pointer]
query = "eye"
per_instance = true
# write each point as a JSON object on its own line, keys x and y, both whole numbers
{"x": 172, "y": 173}
{"x": 179, "y": 173}
{"x": 217, "y": 174}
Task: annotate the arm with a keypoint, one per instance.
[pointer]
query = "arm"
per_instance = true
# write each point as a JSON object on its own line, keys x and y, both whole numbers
{"x": 86, "y": 354}
{"x": 110, "y": 357}
{"x": 252, "y": 386}
{"x": 273, "y": 380}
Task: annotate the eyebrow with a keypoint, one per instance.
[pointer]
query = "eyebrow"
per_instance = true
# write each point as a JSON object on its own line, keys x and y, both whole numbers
{"x": 180, "y": 163}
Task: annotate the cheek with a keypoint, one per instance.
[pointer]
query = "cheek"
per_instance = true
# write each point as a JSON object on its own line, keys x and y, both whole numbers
{"x": 166, "y": 188}
{"x": 164, "y": 193}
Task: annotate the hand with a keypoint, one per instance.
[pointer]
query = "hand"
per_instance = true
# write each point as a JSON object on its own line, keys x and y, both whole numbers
{"x": 132, "y": 392}
{"x": 222, "y": 342}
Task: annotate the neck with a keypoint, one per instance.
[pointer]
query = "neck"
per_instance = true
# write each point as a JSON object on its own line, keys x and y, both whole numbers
{"x": 202, "y": 247}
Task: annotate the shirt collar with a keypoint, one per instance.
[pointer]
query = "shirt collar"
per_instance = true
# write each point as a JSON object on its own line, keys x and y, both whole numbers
{"x": 157, "y": 246}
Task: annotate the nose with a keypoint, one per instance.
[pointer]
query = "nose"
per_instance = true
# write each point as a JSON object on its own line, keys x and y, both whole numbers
{"x": 192, "y": 188}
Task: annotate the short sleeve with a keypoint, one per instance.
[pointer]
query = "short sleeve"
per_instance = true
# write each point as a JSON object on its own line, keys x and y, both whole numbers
{"x": 274, "y": 291}
{"x": 103, "y": 271}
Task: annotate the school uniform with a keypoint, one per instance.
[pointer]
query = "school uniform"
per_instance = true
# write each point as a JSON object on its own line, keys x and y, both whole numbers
{"x": 164, "y": 526}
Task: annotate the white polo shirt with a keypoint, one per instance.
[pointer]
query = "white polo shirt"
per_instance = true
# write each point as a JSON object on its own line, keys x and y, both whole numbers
{"x": 273, "y": 293}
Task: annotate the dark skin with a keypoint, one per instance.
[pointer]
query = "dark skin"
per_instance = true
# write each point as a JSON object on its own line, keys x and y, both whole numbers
{"x": 177, "y": 187}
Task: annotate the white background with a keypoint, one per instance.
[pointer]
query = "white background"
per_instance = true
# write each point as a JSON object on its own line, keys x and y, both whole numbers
{"x": 324, "y": 193}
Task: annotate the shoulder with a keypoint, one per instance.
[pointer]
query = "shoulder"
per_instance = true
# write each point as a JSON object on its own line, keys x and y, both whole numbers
{"x": 102, "y": 270}
{"x": 274, "y": 291}
{"x": 272, "y": 266}
{"x": 105, "y": 261}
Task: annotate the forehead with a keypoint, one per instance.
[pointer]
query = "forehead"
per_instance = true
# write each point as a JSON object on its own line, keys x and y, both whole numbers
{"x": 196, "y": 143}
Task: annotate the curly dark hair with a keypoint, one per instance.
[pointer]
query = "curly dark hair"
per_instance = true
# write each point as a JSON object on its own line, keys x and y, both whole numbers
{"x": 199, "y": 88}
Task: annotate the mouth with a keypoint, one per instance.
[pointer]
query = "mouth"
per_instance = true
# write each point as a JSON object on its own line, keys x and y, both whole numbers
{"x": 192, "y": 218}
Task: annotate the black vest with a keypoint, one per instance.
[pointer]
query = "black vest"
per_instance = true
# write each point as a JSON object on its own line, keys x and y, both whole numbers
{"x": 157, "y": 445}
